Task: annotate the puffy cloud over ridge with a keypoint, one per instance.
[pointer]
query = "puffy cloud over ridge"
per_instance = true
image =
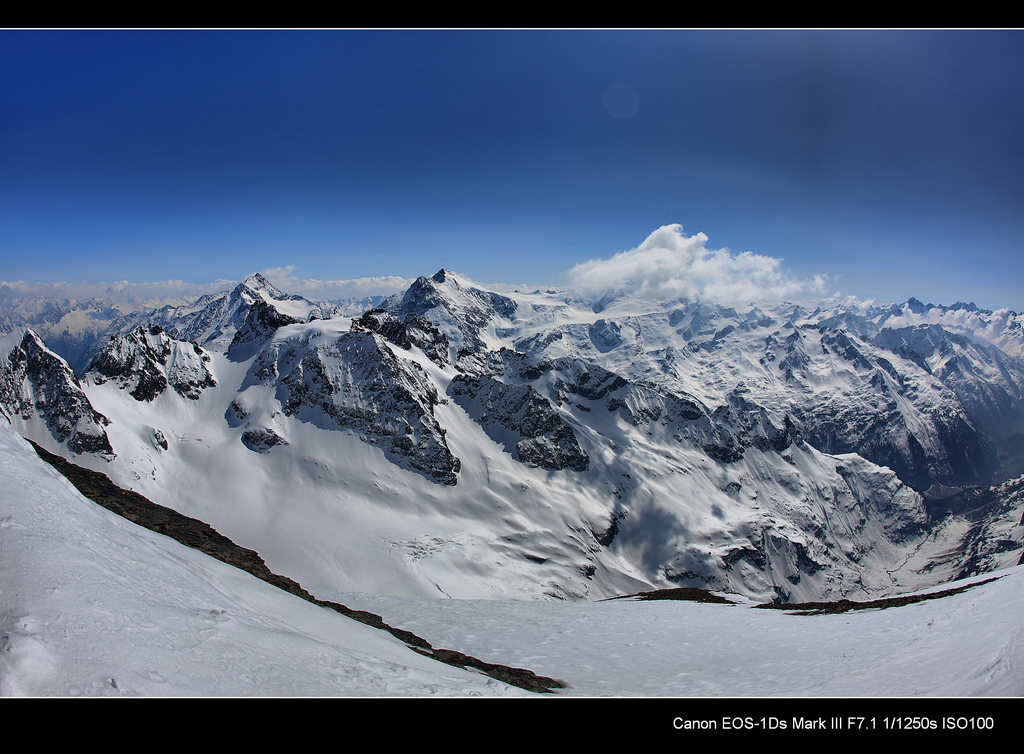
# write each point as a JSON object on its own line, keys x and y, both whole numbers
{"x": 670, "y": 264}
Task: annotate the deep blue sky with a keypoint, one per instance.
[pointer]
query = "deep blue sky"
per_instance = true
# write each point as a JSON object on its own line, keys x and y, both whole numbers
{"x": 892, "y": 161}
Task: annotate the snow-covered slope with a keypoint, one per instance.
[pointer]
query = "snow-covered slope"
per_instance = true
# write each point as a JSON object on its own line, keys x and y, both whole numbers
{"x": 94, "y": 605}
{"x": 967, "y": 644}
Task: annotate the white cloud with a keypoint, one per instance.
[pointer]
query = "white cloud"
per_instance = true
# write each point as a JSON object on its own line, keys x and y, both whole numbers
{"x": 121, "y": 293}
{"x": 316, "y": 289}
{"x": 670, "y": 264}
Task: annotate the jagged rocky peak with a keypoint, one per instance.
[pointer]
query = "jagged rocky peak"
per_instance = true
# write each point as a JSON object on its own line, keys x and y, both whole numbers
{"x": 851, "y": 395}
{"x": 463, "y": 313}
{"x": 38, "y": 387}
{"x": 147, "y": 359}
{"x": 227, "y": 321}
{"x": 257, "y": 286}
{"x": 353, "y": 382}
{"x": 753, "y": 426}
{"x": 256, "y": 289}
{"x": 915, "y": 306}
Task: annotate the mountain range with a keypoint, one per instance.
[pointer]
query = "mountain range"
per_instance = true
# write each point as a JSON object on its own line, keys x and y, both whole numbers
{"x": 463, "y": 440}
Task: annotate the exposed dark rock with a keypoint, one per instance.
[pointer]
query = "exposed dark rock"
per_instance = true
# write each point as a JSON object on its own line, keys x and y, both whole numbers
{"x": 412, "y": 331}
{"x": 844, "y": 606}
{"x": 235, "y": 414}
{"x": 355, "y": 383}
{"x": 988, "y": 383}
{"x": 159, "y": 440}
{"x": 681, "y": 594}
{"x": 146, "y": 360}
{"x": 460, "y": 313}
{"x": 840, "y": 343}
{"x": 586, "y": 380}
{"x": 748, "y": 554}
{"x": 261, "y": 440}
{"x": 540, "y": 436}
{"x": 34, "y": 381}
{"x": 606, "y": 537}
{"x": 261, "y": 321}
{"x": 723, "y": 453}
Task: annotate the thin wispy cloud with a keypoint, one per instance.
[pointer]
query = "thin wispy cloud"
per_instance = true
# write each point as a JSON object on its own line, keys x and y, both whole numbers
{"x": 288, "y": 281}
{"x": 121, "y": 293}
{"x": 130, "y": 295}
{"x": 671, "y": 264}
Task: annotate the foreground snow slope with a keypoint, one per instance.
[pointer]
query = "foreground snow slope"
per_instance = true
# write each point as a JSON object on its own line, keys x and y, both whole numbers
{"x": 91, "y": 604}
{"x": 94, "y": 605}
{"x": 967, "y": 644}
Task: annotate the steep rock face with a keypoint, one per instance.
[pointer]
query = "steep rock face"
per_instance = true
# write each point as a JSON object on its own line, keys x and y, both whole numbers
{"x": 851, "y": 396}
{"x": 261, "y": 321}
{"x": 147, "y": 360}
{"x": 673, "y": 442}
{"x": 36, "y": 383}
{"x": 522, "y": 419}
{"x": 785, "y": 526}
{"x": 354, "y": 382}
{"x": 406, "y": 333}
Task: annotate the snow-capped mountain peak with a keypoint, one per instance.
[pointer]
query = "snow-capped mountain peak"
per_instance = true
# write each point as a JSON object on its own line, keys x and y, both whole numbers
{"x": 258, "y": 286}
{"x": 473, "y": 441}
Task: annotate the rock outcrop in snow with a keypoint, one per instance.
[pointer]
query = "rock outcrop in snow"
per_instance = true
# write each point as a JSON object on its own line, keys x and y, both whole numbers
{"x": 523, "y": 420}
{"x": 353, "y": 382}
{"x": 406, "y": 333}
{"x": 147, "y": 360}
{"x": 39, "y": 388}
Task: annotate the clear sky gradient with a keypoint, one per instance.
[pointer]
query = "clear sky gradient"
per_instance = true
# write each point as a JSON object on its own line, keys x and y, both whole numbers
{"x": 893, "y": 162}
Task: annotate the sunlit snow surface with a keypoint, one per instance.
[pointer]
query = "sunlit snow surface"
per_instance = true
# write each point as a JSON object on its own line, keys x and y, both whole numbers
{"x": 967, "y": 644}
{"x": 94, "y": 605}
{"x": 91, "y": 604}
